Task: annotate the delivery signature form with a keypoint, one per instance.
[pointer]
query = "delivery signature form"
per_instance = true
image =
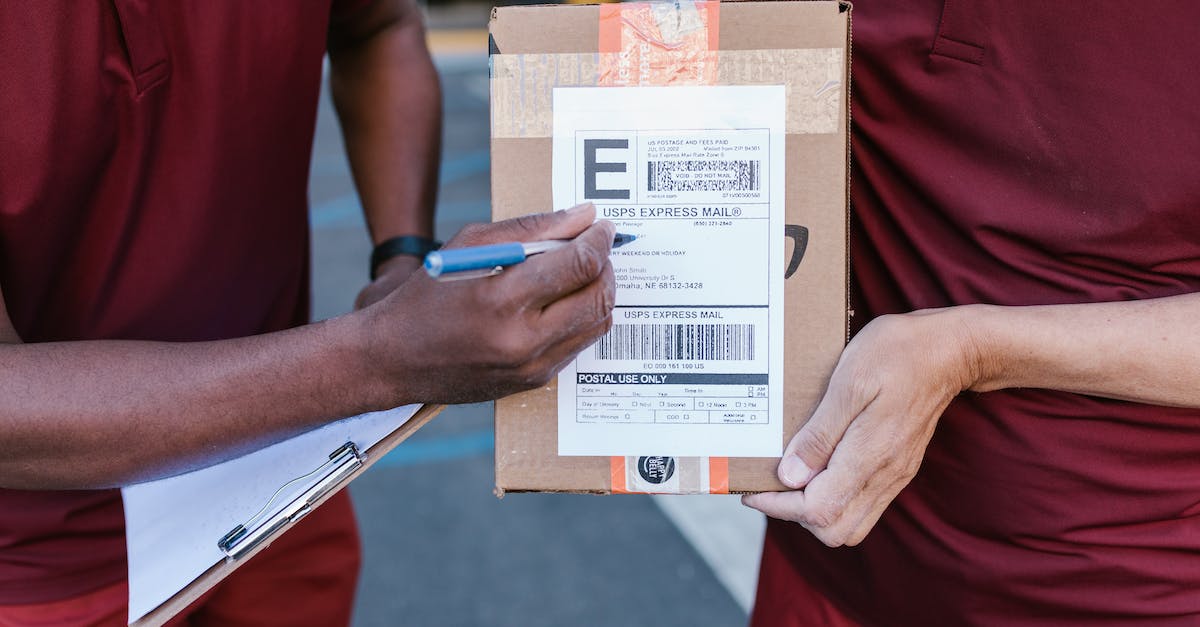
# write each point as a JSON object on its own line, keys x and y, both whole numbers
{"x": 693, "y": 364}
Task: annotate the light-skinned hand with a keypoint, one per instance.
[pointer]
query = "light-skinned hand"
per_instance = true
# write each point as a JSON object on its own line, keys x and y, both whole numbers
{"x": 867, "y": 436}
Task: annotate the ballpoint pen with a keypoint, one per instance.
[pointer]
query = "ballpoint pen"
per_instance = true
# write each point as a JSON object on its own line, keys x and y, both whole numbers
{"x": 479, "y": 261}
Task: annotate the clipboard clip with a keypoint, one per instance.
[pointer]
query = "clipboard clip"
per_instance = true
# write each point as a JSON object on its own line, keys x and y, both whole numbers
{"x": 329, "y": 476}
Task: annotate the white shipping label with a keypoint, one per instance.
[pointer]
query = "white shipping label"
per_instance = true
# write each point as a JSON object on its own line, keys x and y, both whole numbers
{"x": 693, "y": 364}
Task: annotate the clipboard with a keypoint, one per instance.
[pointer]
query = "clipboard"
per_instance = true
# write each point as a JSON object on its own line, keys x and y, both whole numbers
{"x": 290, "y": 504}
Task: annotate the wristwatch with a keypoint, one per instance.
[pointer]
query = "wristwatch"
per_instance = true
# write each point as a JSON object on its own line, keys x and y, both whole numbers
{"x": 415, "y": 245}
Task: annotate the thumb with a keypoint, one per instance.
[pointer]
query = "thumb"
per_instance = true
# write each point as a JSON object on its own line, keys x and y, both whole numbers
{"x": 810, "y": 449}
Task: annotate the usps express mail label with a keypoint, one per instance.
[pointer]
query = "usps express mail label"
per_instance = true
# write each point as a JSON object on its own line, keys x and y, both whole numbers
{"x": 693, "y": 362}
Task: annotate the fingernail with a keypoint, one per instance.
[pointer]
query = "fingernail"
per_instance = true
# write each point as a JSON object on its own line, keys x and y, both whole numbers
{"x": 793, "y": 471}
{"x": 580, "y": 208}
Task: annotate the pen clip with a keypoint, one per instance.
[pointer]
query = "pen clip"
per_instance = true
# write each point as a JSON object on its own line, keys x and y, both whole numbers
{"x": 470, "y": 274}
{"x": 342, "y": 463}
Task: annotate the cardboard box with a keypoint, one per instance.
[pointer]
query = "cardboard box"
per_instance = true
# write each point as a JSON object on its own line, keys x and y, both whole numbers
{"x": 802, "y": 45}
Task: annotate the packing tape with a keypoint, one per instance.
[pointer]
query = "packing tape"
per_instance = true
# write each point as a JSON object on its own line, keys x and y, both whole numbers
{"x": 523, "y": 85}
{"x": 660, "y": 44}
{"x": 669, "y": 475}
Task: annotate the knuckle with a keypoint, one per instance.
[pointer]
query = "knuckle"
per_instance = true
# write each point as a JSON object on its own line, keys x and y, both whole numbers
{"x": 877, "y": 435}
{"x": 594, "y": 332}
{"x": 821, "y": 517}
{"x": 542, "y": 377}
{"x": 533, "y": 374}
{"x": 907, "y": 468}
{"x": 863, "y": 386}
{"x": 605, "y": 325}
{"x": 833, "y": 538}
{"x": 886, "y": 458}
{"x": 587, "y": 264}
{"x": 856, "y": 538}
{"x": 601, "y": 304}
{"x": 609, "y": 291}
{"x": 531, "y": 224}
{"x": 816, "y": 443}
{"x": 894, "y": 463}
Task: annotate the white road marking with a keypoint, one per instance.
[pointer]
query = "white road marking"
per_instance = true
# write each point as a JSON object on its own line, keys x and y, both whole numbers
{"x": 726, "y": 534}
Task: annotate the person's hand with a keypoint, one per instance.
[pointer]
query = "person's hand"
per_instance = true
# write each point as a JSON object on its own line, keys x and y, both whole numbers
{"x": 481, "y": 339}
{"x": 867, "y": 436}
{"x": 391, "y": 274}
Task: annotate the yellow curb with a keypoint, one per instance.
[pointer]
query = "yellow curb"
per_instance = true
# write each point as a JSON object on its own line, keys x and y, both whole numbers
{"x": 457, "y": 41}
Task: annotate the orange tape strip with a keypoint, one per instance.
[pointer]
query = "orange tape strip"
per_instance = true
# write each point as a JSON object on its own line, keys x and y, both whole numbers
{"x": 610, "y": 27}
{"x": 718, "y": 475}
{"x": 654, "y": 44}
{"x": 617, "y": 475}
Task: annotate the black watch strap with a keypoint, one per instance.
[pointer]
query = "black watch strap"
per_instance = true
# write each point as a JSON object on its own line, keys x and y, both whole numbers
{"x": 414, "y": 245}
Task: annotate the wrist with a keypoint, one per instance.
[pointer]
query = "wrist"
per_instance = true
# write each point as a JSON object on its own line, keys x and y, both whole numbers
{"x": 404, "y": 265}
{"x": 362, "y": 369}
{"x": 410, "y": 246}
{"x": 974, "y": 330}
{"x": 954, "y": 341}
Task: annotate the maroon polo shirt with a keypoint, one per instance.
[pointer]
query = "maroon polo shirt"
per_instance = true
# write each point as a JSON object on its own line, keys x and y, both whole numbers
{"x": 153, "y": 168}
{"x": 1022, "y": 153}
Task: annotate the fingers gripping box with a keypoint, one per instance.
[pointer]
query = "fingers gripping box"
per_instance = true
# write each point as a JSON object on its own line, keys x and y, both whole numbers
{"x": 717, "y": 133}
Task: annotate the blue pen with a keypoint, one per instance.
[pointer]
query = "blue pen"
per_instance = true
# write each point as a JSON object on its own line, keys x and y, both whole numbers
{"x": 478, "y": 261}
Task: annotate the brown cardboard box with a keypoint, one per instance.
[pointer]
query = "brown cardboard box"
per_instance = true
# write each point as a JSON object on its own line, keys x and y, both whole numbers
{"x": 803, "y": 45}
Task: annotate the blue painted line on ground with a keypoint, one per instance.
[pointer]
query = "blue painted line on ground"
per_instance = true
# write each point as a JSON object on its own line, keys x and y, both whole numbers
{"x": 458, "y": 168}
{"x": 474, "y": 210}
{"x": 346, "y": 211}
{"x": 439, "y": 449}
{"x": 341, "y": 211}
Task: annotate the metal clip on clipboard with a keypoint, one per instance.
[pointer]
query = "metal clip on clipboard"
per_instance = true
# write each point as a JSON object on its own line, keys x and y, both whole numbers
{"x": 328, "y": 477}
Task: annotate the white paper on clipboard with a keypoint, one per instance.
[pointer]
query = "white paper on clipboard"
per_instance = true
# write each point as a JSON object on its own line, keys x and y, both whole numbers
{"x": 172, "y": 525}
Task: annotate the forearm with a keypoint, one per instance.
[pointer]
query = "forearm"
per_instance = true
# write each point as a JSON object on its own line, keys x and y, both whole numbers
{"x": 1146, "y": 351}
{"x": 388, "y": 99}
{"x": 105, "y": 413}
{"x": 865, "y": 440}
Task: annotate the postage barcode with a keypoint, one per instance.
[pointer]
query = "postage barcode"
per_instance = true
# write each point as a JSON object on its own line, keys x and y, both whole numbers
{"x": 711, "y": 342}
{"x": 703, "y": 175}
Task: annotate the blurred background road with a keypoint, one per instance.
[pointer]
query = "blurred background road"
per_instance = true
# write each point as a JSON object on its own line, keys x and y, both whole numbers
{"x": 439, "y": 547}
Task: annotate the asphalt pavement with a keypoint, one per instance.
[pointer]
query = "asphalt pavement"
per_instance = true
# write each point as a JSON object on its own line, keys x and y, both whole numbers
{"x": 440, "y": 548}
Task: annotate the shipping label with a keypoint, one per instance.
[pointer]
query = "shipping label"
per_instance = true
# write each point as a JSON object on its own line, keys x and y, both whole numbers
{"x": 693, "y": 363}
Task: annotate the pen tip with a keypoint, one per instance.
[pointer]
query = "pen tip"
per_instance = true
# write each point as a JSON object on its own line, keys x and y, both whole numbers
{"x": 623, "y": 238}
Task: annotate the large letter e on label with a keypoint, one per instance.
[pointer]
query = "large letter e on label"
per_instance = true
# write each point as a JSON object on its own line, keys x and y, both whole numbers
{"x": 591, "y": 167}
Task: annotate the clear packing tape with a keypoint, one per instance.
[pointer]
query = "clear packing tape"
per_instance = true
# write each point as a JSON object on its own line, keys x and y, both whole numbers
{"x": 669, "y": 475}
{"x": 523, "y": 84}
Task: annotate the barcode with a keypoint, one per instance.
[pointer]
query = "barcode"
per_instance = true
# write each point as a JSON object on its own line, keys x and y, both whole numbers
{"x": 702, "y": 175}
{"x": 713, "y": 342}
